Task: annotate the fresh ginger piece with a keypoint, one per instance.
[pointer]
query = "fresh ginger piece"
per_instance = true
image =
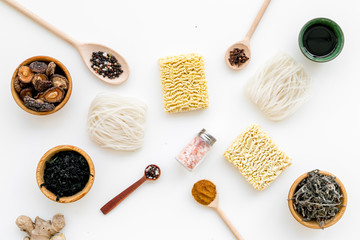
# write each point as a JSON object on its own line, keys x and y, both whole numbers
{"x": 41, "y": 229}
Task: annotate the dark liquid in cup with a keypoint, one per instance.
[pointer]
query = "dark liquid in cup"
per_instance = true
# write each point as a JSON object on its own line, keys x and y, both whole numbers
{"x": 320, "y": 40}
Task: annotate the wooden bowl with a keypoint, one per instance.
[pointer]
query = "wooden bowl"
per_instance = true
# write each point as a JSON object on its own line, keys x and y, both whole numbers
{"x": 66, "y": 73}
{"x": 313, "y": 224}
{"x": 40, "y": 173}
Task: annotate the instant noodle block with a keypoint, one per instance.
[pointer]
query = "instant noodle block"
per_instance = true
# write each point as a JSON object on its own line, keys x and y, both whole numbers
{"x": 257, "y": 157}
{"x": 183, "y": 83}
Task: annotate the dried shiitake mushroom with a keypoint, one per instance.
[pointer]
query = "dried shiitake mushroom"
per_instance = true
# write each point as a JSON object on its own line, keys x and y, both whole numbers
{"x": 38, "y": 104}
{"x": 25, "y": 74}
{"x": 39, "y": 95}
{"x": 26, "y": 92}
{"x": 54, "y": 95}
{"x": 59, "y": 81}
{"x": 50, "y": 69}
{"x": 17, "y": 84}
{"x": 41, "y": 82}
{"x": 38, "y": 67}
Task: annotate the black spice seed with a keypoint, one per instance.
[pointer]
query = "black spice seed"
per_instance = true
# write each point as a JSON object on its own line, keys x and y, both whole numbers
{"x": 237, "y": 57}
{"x": 152, "y": 172}
{"x": 66, "y": 174}
{"x": 105, "y": 65}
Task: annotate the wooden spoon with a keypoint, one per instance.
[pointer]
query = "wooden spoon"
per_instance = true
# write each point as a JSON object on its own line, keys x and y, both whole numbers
{"x": 245, "y": 43}
{"x": 215, "y": 205}
{"x": 85, "y": 49}
{"x": 119, "y": 198}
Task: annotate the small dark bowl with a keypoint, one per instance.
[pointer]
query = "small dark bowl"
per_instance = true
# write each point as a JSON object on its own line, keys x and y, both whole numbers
{"x": 338, "y": 33}
{"x": 20, "y": 102}
{"x": 314, "y": 224}
{"x": 41, "y": 167}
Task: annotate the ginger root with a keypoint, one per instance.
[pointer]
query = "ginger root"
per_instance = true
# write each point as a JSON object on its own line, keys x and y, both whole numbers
{"x": 41, "y": 229}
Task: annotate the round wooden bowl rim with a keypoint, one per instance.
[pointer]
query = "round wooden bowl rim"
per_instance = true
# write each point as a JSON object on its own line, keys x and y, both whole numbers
{"x": 20, "y": 102}
{"x": 313, "y": 224}
{"x": 41, "y": 167}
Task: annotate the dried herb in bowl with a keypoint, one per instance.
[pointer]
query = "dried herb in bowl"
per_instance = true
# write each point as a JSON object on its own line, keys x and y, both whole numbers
{"x": 66, "y": 174}
{"x": 318, "y": 198}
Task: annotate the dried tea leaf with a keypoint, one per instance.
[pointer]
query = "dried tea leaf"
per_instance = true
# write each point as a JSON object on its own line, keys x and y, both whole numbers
{"x": 318, "y": 197}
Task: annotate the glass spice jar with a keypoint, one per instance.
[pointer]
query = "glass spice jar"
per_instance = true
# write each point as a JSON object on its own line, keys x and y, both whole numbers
{"x": 196, "y": 150}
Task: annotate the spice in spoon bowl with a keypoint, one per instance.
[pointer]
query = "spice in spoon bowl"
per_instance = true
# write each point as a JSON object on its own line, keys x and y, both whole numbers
{"x": 152, "y": 172}
{"x": 204, "y": 192}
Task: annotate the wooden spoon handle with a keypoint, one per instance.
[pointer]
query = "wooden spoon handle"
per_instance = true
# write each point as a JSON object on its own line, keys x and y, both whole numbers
{"x": 116, "y": 200}
{"x": 42, "y": 22}
{"x": 229, "y": 224}
{"x": 257, "y": 19}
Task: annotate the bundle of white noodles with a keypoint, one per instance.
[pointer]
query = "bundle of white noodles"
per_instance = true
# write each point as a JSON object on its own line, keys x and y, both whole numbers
{"x": 117, "y": 122}
{"x": 279, "y": 88}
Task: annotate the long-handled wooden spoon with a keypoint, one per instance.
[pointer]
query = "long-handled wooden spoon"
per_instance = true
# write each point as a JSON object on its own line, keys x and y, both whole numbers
{"x": 152, "y": 173}
{"x": 215, "y": 205}
{"x": 245, "y": 43}
{"x": 85, "y": 49}
{"x": 204, "y": 192}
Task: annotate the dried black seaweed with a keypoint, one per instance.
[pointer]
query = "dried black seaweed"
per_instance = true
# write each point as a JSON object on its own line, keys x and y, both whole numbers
{"x": 317, "y": 197}
{"x": 66, "y": 174}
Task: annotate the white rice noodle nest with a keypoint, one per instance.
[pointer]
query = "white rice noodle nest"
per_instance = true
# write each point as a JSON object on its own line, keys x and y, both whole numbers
{"x": 279, "y": 88}
{"x": 117, "y": 122}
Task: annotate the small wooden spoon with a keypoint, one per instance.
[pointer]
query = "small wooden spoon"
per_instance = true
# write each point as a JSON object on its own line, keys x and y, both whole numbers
{"x": 245, "y": 43}
{"x": 119, "y": 198}
{"x": 85, "y": 49}
{"x": 215, "y": 205}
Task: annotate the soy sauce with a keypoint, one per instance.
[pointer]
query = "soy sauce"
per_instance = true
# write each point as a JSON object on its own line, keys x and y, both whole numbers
{"x": 320, "y": 40}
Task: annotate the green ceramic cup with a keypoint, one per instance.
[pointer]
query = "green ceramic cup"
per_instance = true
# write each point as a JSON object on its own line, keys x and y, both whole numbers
{"x": 337, "y": 31}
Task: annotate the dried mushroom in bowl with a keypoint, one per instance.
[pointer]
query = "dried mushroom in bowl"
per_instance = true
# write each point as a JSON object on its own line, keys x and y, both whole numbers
{"x": 41, "y": 85}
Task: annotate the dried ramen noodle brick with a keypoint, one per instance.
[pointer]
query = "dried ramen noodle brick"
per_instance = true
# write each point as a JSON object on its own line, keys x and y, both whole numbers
{"x": 183, "y": 83}
{"x": 257, "y": 157}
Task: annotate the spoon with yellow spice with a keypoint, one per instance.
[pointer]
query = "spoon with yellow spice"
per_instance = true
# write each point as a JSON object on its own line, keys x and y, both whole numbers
{"x": 204, "y": 192}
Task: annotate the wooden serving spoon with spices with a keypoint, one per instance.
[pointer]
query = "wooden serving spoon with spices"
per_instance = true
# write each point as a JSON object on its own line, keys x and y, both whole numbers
{"x": 86, "y": 50}
{"x": 152, "y": 173}
{"x": 238, "y": 55}
{"x": 204, "y": 192}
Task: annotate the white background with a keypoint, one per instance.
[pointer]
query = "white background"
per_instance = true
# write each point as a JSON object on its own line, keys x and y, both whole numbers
{"x": 323, "y": 133}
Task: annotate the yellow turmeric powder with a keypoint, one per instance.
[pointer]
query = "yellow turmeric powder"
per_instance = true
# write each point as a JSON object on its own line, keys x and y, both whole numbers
{"x": 204, "y": 192}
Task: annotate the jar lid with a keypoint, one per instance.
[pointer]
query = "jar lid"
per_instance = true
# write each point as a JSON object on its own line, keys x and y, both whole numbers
{"x": 207, "y": 137}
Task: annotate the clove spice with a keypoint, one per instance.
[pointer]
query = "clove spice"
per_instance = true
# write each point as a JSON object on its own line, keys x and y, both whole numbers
{"x": 237, "y": 57}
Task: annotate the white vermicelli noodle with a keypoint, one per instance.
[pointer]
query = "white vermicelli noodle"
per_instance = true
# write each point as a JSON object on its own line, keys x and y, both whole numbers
{"x": 117, "y": 122}
{"x": 279, "y": 88}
